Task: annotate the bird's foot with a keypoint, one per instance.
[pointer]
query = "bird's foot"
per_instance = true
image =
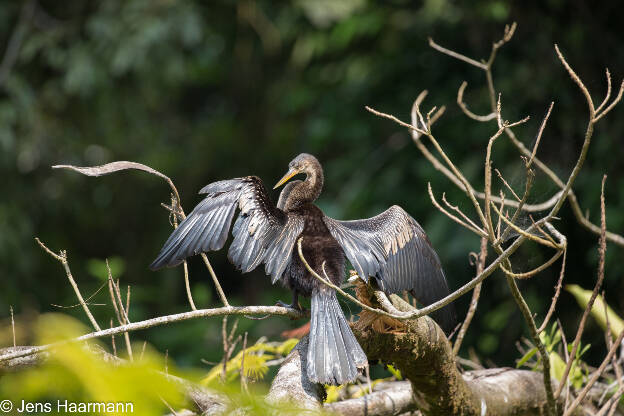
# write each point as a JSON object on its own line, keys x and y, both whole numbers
{"x": 294, "y": 305}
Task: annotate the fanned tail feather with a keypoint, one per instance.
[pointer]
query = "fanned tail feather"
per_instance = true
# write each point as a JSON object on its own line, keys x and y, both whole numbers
{"x": 334, "y": 354}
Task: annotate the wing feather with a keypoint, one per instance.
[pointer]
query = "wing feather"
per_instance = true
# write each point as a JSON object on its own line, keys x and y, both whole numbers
{"x": 394, "y": 249}
{"x": 262, "y": 232}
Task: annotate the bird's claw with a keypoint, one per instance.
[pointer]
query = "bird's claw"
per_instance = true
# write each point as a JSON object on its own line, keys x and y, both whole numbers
{"x": 293, "y": 305}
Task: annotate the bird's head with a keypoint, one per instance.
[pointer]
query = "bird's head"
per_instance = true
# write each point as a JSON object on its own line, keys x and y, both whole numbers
{"x": 304, "y": 163}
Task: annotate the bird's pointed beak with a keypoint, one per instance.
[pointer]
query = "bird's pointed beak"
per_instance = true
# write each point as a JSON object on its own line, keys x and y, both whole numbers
{"x": 291, "y": 172}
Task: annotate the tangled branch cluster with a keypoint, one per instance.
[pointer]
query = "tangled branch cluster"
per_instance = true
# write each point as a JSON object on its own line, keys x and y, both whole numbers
{"x": 541, "y": 231}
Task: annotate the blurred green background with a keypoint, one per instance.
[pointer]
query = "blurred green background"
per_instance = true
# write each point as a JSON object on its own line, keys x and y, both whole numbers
{"x": 204, "y": 91}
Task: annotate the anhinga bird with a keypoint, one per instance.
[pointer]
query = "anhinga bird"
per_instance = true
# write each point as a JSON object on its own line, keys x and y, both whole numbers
{"x": 390, "y": 247}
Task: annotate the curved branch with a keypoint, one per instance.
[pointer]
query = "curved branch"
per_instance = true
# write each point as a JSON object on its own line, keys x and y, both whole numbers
{"x": 464, "y": 107}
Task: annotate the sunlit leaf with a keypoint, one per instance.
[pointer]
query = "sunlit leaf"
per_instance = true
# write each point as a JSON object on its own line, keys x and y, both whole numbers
{"x": 333, "y": 393}
{"x": 526, "y": 357}
{"x": 598, "y": 309}
{"x": 394, "y": 372}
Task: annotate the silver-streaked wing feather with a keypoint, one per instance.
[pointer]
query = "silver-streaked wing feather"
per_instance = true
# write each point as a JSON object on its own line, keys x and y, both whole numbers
{"x": 262, "y": 232}
{"x": 393, "y": 248}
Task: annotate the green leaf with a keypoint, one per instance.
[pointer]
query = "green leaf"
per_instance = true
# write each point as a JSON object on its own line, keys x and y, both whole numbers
{"x": 557, "y": 366}
{"x": 333, "y": 393}
{"x": 526, "y": 357}
{"x": 598, "y": 309}
{"x": 394, "y": 372}
{"x": 287, "y": 346}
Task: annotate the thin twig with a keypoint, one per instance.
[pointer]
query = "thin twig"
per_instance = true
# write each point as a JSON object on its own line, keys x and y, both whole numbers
{"x": 456, "y": 55}
{"x": 228, "y": 345}
{"x": 488, "y": 172}
{"x": 188, "y": 286}
{"x": 611, "y": 404}
{"x": 12, "y": 325}
{"x": 595, "y": 376}
{"x": 499, "y": 222}
{"x": 601, "y": 252}
{"x": 577, "y": 80}
{"x": 113, "y": 340}
{"x": 185, "y": 265}
{"x": 243, "y": 377}
{"x": 613, "y": 103}
{"x": 464, "y": 107}
{"x": 472, "y": 226}
{"x": 530, "y": 175}
{"x": 531, "y": 273}
{"x": 566, "y": 355}
{"x": 526, "y": 312}
{"x": 475, "y": 298}
{"x": 553, "y": 303}
{"x": 588, "y": 135}
{"x": 225, "y": 348}
{"x": 215, "y": 280}
{"x": 120, "y": 311}
{"x": 460, "y": 212}
{"x": 500, "y": 176}
{"x": 539, "y": 135}
{"x": 524, "y": 232}
{"x": 62, "y": 257}
{"x": 606, "y": 99}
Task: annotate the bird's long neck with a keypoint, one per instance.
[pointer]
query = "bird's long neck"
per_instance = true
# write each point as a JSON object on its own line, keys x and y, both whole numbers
{"x": 314, "y": 181}
{"x": 308, "y": 190}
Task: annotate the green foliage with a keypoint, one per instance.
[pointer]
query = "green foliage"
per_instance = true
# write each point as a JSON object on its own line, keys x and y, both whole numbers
{"x": 78, "y": 374}
{"x": 333, "y": 393}
{"x": 600, "y": 311}
{"x": 396, "y": 373}
{"x": 254, "y": 364}
{"x": 551, "y": 340}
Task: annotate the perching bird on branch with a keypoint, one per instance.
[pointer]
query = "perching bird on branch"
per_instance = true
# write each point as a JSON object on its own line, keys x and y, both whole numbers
{"x": 390, "y": 247}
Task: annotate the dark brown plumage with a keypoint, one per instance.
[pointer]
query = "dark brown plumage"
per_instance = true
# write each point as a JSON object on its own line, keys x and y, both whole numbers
{"x": 390, "y": 247}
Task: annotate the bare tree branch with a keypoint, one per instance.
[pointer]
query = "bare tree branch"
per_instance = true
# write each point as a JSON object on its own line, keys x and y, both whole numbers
{"x": 62, "y": 258}
{"x": 475, "y": 297}
{"x": 601, "y": 251}
{"x": 162, "y": 320}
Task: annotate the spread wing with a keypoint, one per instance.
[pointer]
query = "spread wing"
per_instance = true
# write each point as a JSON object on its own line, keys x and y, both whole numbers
{"x": 262, "y": 232}
{"x": 393, "y": 248}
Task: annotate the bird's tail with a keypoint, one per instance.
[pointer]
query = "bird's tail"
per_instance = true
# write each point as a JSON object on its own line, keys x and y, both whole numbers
{"x": 334, "y": 354}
